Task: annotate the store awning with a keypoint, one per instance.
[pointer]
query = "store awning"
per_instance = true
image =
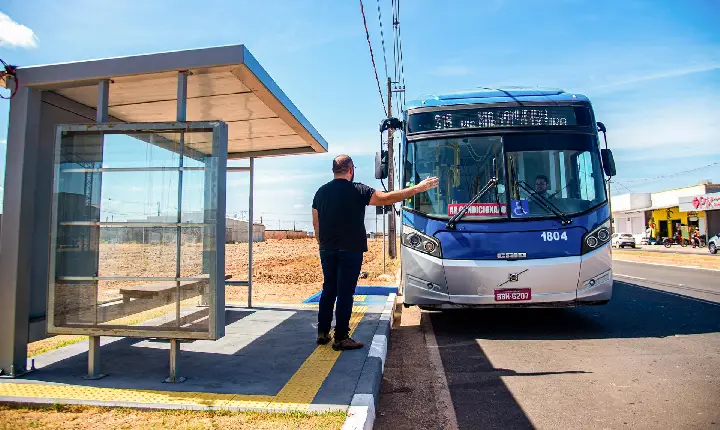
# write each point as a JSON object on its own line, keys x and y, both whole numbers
{"x": 651, "y": 208}
{"x": 225, "y": 83}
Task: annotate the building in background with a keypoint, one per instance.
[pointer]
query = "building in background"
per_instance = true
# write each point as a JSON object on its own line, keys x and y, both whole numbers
{"x": 631, "y": 213}
{"x": 236, "y": 231}
{"x": 661, "y": 214}
{"x": 708, "y": 203}
{"x": 286, "y": 234}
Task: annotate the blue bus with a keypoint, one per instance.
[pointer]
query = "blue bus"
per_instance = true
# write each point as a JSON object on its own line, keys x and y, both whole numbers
{"x": 521, "y": 216}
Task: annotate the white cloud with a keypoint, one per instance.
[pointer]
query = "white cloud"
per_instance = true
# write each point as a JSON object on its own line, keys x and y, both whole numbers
{"x": 16, "y": 35}
{"x": 672, "y": 129}
{"x": 271, "y": 177}
{"x": 674, "y": 73}
{"x": 352, "y": 149}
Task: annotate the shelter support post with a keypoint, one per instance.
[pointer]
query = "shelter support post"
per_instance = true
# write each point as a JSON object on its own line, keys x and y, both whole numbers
{"x": 94, "y": 358}
{"x": 250, "y": 232}
{"x": 16, "y": 236}
{"x": 174, "y": 353}
{"x": 181, "y": 116}
{"x": 94, "y": 363}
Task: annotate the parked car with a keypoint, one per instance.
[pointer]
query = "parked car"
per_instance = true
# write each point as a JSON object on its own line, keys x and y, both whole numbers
{"x": 621, "y": 240}
{"x": 714, "y": 244}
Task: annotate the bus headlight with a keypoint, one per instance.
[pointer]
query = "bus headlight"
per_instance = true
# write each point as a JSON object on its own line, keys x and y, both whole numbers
{"x": 421, "y": 242}
{"x": 596, "y": 238}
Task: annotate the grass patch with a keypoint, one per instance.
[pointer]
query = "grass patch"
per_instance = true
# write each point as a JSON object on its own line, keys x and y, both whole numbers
{"x": 52, "y": 343}
{"x": 92, "y": 417}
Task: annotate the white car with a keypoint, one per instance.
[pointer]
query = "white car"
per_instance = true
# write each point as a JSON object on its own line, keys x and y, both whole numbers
{"x": 714, "y": 244}
{"x": 621, "y": 240}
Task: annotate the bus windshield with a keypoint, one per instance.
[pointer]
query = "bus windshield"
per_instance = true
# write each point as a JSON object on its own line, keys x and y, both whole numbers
{"x": 463, "y": 166}
{"x": 556, "y": 168}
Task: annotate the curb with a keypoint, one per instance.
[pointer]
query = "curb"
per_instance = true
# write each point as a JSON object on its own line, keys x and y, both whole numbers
{"x": 667, "y": 264}
{"x": 361, "y": 413}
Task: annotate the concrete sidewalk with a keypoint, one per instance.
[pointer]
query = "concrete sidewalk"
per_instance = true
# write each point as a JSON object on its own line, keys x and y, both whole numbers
{"x": 668, "y": 258}
{"x": 267, "y": 361}
{"x": 675, "y": 249}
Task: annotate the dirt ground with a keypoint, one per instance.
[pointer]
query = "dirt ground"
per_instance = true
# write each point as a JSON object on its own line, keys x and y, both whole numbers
{"x": 87, "y": 417}
{"x": 283, "y": 270}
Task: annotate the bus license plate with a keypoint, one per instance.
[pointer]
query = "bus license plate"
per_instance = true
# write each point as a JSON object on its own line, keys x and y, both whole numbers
{"x": 513, "y": 295}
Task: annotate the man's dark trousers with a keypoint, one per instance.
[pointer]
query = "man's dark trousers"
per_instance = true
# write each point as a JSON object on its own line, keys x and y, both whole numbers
{"x": 340, "y": 270}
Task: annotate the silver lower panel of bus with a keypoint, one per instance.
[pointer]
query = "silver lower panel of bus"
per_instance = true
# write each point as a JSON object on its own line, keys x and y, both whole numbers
{"x": 564, "y": 281}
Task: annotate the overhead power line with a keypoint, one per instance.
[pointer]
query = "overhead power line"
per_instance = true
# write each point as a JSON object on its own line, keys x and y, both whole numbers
{"x": 398, "y": 57}
{"x": 382, "y": 39}
{"x": 372, "y": 56}
{"x": 622, "y": 185}
{"x": 674, "y": 174}
{"x": 8, "y": 71}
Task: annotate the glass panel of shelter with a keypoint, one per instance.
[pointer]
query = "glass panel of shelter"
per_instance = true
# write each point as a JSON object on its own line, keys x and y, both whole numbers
{"x": 121, "y": 200}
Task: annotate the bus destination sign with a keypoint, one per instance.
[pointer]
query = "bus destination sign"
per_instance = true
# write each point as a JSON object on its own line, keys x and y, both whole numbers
{"x": 503, "y": 117}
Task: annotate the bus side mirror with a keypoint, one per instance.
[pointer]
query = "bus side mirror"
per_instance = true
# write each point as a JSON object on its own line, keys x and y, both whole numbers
{"x": 608, "y": 162}
{"x": 393, "y": 123}
{"x": 381, "y": 165}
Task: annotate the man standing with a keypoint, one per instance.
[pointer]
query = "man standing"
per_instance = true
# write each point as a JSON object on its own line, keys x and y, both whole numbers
{"x": 339, "y": 222}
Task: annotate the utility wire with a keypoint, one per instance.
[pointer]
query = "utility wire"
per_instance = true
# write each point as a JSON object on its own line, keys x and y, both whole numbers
{"x": 622, "y": 185}
{"x": 6, "y": 71}
{"x": 372, "y": 56}
{"x": 398, "y": 58}
{"x": 382, "y": 38}
{"x": 674, "y": 174}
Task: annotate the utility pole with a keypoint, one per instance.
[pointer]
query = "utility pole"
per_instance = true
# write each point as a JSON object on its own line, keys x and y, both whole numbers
{"x": 376, "y": 231}
{"x": 612, "y": 216}
{"x": 391, "y": 176}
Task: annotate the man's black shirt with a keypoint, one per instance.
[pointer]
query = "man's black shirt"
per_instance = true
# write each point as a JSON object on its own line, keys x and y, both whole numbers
{"x": 341, "y": 211}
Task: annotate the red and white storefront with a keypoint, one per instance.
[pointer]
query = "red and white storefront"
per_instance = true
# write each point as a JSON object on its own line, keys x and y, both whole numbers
{"x": 710, "y": 203}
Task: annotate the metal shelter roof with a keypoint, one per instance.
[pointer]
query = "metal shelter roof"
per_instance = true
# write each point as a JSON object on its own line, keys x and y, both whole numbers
{"x": 226, "y": 83}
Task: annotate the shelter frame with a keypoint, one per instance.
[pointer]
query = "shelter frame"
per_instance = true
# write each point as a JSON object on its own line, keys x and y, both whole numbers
{"x": 214, "y": 198}
{"x": 223, "y": 83}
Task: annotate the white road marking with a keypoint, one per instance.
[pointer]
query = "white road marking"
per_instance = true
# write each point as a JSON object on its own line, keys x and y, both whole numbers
{"x": 667, "y": 265}
{"x": 444, "y": 401}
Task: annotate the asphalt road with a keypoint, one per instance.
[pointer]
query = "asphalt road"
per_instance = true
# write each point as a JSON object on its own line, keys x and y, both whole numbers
{"x": 648, "y": 359}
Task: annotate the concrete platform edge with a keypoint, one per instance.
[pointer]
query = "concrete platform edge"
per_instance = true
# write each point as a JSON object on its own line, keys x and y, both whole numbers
{"x": 361, "y": 413}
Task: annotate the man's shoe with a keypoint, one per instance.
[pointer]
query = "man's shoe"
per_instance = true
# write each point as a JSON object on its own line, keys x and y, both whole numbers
{"x": 323, "y": 338}
{"x": 346, "y": 344}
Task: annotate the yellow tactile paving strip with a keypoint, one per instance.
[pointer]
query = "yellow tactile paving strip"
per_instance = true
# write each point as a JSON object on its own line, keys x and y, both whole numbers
{"x": 297, "y": 394}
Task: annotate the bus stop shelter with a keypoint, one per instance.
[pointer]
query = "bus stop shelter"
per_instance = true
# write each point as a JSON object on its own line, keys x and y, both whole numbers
{"x": 80, "y": 131}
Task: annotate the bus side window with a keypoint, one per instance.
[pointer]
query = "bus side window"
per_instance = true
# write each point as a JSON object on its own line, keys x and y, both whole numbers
{"x": 585, "y": 179}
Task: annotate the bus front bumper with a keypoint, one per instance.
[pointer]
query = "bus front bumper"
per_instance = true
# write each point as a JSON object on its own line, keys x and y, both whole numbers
{"x": 555, "y": 282}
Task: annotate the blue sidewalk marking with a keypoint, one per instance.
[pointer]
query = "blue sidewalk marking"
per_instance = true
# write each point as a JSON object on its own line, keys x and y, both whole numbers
{"x": 360, "y": 290}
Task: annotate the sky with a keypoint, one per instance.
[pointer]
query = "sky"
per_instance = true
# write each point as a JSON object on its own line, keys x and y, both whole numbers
{"x": 650, "y": 68}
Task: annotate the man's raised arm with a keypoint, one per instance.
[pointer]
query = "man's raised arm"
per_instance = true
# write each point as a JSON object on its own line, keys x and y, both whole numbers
{"x": 381, "y": 198}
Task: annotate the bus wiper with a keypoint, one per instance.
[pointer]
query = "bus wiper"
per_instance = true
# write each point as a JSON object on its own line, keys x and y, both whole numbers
{"x": 544, "y": 202}
{"x": 493, "y": 182}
